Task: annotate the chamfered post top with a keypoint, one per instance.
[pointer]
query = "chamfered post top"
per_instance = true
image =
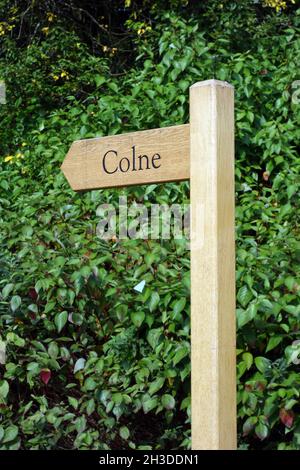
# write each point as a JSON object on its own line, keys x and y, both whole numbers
{"x": 212, "y": 83}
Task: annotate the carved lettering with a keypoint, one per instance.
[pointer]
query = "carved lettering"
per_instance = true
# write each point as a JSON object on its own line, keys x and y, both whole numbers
{"x": 112, "y": 162}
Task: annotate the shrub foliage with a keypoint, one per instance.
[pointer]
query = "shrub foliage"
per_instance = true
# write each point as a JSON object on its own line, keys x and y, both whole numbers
{"x": 86, "y": 361}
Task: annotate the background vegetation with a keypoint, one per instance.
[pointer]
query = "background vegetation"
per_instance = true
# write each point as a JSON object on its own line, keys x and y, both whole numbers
{"x": 90, "y": 363}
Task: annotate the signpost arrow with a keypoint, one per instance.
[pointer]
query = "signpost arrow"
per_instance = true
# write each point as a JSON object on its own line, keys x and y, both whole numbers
{"x": 153, "y": 156}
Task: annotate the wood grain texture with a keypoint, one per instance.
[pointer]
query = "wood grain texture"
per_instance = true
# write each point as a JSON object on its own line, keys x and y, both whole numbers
{"x": 212, "y": 266}
{"x": 83, "y": 165}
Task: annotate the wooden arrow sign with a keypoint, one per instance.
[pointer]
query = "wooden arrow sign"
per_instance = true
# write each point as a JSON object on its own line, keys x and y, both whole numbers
{"x": 156, "y": 155}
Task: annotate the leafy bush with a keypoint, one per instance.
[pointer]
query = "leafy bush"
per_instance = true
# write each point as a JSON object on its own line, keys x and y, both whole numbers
{"x": 90, "y": 363}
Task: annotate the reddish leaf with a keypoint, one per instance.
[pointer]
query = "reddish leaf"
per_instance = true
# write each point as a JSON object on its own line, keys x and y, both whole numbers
{"x": 260, "y": 386}
{"x": 45, "y": 375}
{"x": 287, "y": 417}
{"x": 33, "y": 294}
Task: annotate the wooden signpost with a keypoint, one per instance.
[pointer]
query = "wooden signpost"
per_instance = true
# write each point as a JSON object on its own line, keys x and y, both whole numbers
{"x": 203, "y": 152}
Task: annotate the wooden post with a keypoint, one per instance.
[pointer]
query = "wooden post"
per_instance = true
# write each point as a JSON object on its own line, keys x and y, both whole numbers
{"x": 212, "y": 266}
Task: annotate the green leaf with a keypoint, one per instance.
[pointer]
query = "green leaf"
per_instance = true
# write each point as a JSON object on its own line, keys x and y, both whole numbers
{"x": 80, "y": 424}
{"x": 76, "y": 318}
{"x": 273, "y": 342}
{"x": 289, "y": 405}
{"x": 156, "y": 385}
{"x": 90, "y": 407}
{"x": 249, "y": 425}
{"x": 150, "y": 93}
{"x": 99, "y": 80}
{"x": 262, "y": 364}
{"x": 248, "y": 359}
{"x": 15, "y": 339}
{"x": 180, "y": 354}
{"x": 244, "y": 296}
{"x": 27, "y": 231}
{"x": 4, "y": 389}
{"x": 179, "y": 305}
{"x": 117, "y": 398}
{"x": 261, "y": 430}
{"x": 60, "y": 320}
{"x": 124, "y": 433}
{"x": 7, "y": 290}
{"x": 10, "y": 434}
{"x": 53, "y": 350}
{"x": 292, "y": 352}
{"x": 49, "y": 306}
{"x": 113, "y": 86}
{"x": 137, "y": 318}
{"x": 291, "y": 190}
{"x": 90, "y": 384}
{"x": 153, "y": 337}
{"x": 168, "y": 401}
{"x": 241, "y": 369}
{"x": 154, "y": 301}
{"x": 33, "y": 367}
{"x": 290, "y": 282}
{"x": 245, "y": 316}
{"x": 149, "y": 404}
{"x": 15, "y": 302}
{"x": 33, "y": 308}
{"x": 73, "y": 402}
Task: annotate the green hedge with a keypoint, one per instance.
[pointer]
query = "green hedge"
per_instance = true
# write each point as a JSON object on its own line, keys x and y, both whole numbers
{"x": 92, "y": 364}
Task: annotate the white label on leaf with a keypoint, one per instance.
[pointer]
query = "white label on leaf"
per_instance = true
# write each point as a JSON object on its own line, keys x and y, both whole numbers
{"x": 140, "y": 287}
{"x": 79, "y": 365}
